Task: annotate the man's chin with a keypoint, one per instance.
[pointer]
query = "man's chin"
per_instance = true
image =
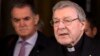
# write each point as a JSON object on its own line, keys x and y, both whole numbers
{"x": 23, "y": 35}
{"x": 69, "y": 44}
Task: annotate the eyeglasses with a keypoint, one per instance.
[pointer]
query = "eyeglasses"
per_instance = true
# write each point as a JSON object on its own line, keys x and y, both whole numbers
{"x": 64, "y": 21}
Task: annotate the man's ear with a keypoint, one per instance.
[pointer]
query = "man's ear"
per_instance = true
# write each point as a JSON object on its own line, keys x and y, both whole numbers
{"x": 36, "y": 19}
{"x": 83, "y": 25}
{"x": 94, "y": 31}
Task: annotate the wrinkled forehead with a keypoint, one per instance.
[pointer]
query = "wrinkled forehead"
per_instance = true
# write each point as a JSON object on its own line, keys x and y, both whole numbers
{"x": 68, "y": 12}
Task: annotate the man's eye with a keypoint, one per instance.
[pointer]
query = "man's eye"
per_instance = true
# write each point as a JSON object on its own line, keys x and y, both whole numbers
{"x": 15, "y": 20}
{"x": 56, "y": 21}
{"x": 26, "y": 18}
{"x": 66, "y": 20}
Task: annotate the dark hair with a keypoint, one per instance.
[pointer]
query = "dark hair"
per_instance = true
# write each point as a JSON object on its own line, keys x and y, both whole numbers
{"x": 91, "y": 21}
{"x": 22, "y": 3}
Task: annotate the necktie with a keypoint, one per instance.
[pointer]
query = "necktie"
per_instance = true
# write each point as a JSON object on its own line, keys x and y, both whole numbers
{"x": 22, "y": 49}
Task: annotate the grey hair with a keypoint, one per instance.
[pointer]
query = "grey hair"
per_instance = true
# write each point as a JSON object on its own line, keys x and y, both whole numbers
{"x": 79, "y": 10}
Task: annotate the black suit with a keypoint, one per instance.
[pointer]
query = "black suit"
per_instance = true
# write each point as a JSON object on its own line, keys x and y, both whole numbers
{"x": 10, "y": 42}
{"x": 88, "y": 47}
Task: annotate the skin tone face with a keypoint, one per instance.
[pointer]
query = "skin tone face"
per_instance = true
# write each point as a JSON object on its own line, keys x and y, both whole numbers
{"x": 90, "y": 31}
{"x": 24, "y": 21}
{"x": 67, "y": 33}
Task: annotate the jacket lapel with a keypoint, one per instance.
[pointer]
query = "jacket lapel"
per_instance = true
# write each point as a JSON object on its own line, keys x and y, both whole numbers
{"x": 11, "y": 45}
{"x": 40, "y": 45}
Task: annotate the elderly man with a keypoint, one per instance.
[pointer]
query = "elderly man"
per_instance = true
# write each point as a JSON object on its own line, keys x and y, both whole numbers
{"x": 69, "y": 24}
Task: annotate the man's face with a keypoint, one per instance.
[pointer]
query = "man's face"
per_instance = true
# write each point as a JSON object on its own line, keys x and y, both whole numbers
{"x": 24, "y": 21}
{"x": 89, "y": 30}
{"x": 67, "y": 27}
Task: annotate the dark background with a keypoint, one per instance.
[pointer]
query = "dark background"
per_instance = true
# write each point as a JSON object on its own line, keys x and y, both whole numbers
{"x": 45, "y": 11}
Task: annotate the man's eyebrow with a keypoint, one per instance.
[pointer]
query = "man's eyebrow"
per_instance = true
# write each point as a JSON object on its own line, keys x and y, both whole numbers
{"x": 55, "y": 18}
{"x": 26, "y": 17}
{"x": 14, "y": 18}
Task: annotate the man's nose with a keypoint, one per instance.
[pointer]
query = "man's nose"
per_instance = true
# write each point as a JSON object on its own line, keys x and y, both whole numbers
{"x": 61, "y": 25}
{"x": 22, "y": 23}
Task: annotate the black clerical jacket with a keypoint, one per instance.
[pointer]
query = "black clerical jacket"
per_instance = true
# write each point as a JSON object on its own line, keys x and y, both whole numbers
{"x": 88, "y": 48}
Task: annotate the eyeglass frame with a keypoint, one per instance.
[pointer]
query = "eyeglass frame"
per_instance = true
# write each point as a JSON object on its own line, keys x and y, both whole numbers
{"x": 64, "y": 21}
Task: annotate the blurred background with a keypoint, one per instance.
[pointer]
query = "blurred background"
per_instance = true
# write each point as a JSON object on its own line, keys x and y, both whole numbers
{"x": 91, "y": 7}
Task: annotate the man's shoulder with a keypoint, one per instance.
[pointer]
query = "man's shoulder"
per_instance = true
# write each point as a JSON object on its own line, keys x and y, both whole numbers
{"x": 9, "y": 39}
{"x": 6, "y": 43}
{"x": 91, "y": 46}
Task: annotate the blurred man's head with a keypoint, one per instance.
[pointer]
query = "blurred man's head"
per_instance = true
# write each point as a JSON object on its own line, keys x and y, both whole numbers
{"x": 24, "y": 19}
{"x": 90, "y": 29}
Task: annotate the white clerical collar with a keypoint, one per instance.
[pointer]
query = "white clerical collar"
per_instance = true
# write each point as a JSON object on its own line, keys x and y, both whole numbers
{"x": 71, "y": 49}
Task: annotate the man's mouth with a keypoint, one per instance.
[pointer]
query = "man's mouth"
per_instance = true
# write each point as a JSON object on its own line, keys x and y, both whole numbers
{"x": 23, "y": 29}
{"x": 63, "y": 34}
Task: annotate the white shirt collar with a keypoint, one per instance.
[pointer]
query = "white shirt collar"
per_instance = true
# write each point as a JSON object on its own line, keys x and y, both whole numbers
{"x": 31, "y": 40}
